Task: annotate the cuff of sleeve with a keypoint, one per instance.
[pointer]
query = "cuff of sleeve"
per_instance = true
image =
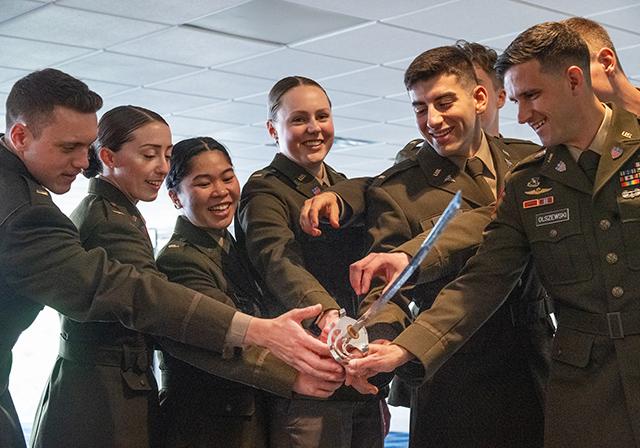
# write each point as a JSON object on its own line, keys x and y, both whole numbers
{"x": 274, "y": 376}
{"x": 237, "y": 330}
{"x": 422, "y": 344}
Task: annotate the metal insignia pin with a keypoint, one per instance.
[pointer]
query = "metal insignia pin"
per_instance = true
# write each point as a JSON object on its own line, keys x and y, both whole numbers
{"x": 616, "y": 152}
{"x": 437, "y": 172}
{"x": 449, "y": 178}
{"x": 561, "y": 167}
{"x": 626, "y": 134}
{"x": 301, "y": 177}
{"x": 534, "y": 182}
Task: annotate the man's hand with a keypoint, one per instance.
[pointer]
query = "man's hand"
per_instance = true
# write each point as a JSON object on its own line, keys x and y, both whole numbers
{"x": 327, "y": 322}
{"x": 380, "y": 358}
{"x": 325, "y": 205}
{"x": 287, "y": 340}
{"x": 384, "y": 265}
{"x": 313, "y": 386}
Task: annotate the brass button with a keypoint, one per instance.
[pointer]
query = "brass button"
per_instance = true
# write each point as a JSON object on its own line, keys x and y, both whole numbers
{"x": 553, "y": 233}
{"x": 617, "y": 291}
{"x": 612, "y": 258}
{"x": 605, "y": 224}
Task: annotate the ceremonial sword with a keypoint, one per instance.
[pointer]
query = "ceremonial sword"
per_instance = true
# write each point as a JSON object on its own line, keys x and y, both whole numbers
{"x": 348, "y": 333}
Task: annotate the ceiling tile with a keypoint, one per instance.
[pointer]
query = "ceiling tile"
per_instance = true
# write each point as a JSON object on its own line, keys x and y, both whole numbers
{"x": 113, "y": 67}
{"x": 11, "y": 75}
{"x": 58, "y": 24}
{"x": 16, "y": 7}
{"x": 262, "y": 19}
{"x": 164, "y": 11}
{"x": 230, "y": 112}
{"x": 192, "y": 46}
{"x": 628, "y": 19}
{"x": 217, "y": 84}
{"x": 158, "y": 101}
{"x": 376, "y": 81}
{"x": 195, "y": 126}
{"x": 249, "y": 134}
{"x": 371, "y": 9}
{"x": 382, "y": 133}
{"x": 286, "y": 62}
{"x": 392, "y": 44}
{"x": 33, "y": 55}
{"x": 630, "y": 60}
{"x": 460, "y": 19}
{"x": 581, "y": 8}
{"x": 378, "y": 151}
{"x": 106, "y": 89}
{"x": 344, "y": 123}
{"x": 377, "y": 110}
{"x": 338, "y": 98}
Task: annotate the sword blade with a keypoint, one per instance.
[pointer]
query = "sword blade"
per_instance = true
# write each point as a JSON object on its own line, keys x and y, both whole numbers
{"x": 408, "y": 271}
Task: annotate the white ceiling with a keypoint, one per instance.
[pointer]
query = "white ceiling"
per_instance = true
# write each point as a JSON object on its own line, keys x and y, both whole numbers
{"x": 207, "y": 65}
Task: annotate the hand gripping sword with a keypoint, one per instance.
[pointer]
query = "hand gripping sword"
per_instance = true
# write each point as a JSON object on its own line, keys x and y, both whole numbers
{"x": 349, "y": 334}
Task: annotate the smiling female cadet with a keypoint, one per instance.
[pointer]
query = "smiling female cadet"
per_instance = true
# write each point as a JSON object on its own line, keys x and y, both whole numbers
{"x": 202, "y": 410}
{"x": 300, "y": 270}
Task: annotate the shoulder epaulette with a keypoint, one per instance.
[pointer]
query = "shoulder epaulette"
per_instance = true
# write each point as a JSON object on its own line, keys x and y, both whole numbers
{"x": 264, "y": 172}
{"x": 393, "y": 171}
{"x": 533, "y": 159}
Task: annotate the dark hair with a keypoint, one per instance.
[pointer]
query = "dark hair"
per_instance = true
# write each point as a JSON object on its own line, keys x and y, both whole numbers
{"x": 184, "y": 151}
{"x": 594, "y": 35}
{"x": 482, "y": 57}
{"x": 34, "y": 97}
{"x": 282, "y": 87}
{"x": 447, "y": 60}
{"x": 115, "y": 128}
{"x": 553, "y": 44}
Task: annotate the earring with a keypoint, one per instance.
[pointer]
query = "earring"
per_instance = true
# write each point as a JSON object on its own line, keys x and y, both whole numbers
{"x": 177, "y": 205}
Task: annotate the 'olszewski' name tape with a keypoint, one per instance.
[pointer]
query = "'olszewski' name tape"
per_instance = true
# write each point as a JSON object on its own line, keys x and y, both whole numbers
{"x": 543, "y": 219}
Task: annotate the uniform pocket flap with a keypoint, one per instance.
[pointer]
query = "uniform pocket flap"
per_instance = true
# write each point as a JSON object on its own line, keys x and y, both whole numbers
{"x": 572, "y": 347}
{"x": 233, "y": 402}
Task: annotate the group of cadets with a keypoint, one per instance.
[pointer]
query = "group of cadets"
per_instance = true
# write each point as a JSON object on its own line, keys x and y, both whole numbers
{"x": 543, "y": 233}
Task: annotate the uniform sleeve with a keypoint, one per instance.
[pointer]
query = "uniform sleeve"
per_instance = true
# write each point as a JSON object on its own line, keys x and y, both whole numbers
{"x": 387, "y": 228}
{"x": 275, "y": 253}
{"x": 41, "y": 260}
{"x": 466, "y": 303}
{"x": 455, "y": 245}
{"x": 352, "y": 193}
{"x": 253, "y": 366}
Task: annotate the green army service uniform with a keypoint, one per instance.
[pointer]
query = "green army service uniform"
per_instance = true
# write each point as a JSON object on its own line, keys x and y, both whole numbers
{"x": 487, "y": 394}
{"x": 43, "y": 263}
{"x": 299, "y": 270}
{"x": 582, "y": 238}
{"x": 202, "y": 410}
{"x": 102, "y": 391}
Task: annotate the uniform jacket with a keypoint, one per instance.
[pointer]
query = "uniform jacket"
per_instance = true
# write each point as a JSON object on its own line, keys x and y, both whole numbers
{"x": 296, "y": 269}
{"x": 583, "y": 241}
{"x": 43, "y": 263}
{"x": 299, "y": 270}
{"x": 84, "y": 403}
{"x": 200, "y": 409}
{"x": 486, "y": 395}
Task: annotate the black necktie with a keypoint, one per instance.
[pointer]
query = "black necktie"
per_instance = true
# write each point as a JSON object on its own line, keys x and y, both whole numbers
{"x": 588, "y": 161}
{"x": 475, "y": 168}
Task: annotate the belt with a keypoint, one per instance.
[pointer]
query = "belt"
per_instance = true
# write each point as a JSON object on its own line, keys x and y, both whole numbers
{"x": 616, "y": 325}
{"x": 524, "y": 314}
{"x": 124, "y": 356}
